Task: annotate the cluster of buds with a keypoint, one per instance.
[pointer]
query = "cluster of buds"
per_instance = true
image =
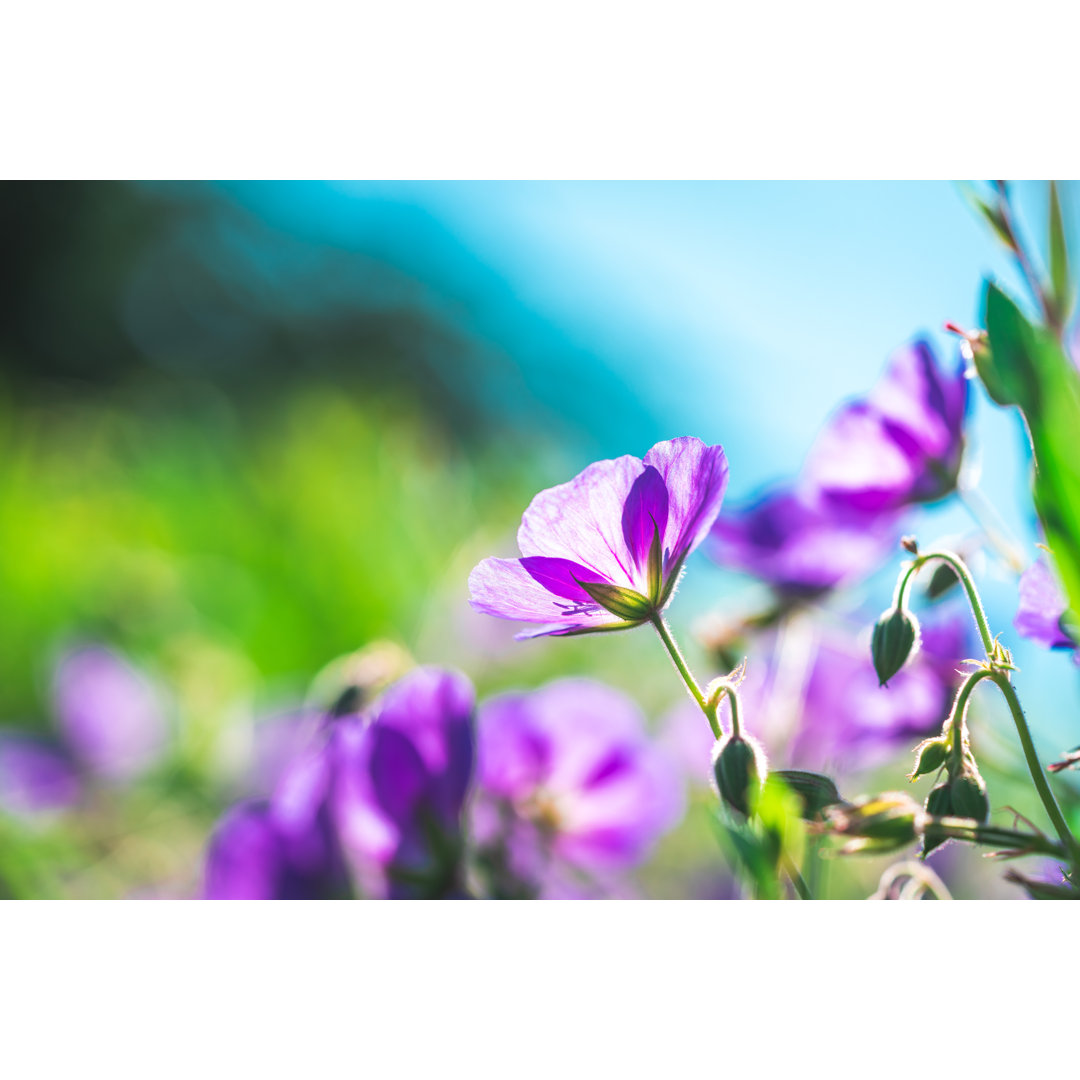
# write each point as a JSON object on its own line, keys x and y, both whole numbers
{"x": 877, "y": 824}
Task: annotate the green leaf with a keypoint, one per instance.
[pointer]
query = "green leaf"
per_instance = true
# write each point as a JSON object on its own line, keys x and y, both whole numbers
{"x": 1059, "y": 258}
{"x": 1044, "y": 383}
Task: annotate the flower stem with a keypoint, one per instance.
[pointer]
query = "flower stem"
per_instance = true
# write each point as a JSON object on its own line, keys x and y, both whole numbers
{"x": 962, "y": 572}
{"x": 1001, "y": 679}
{"x": 957, "y": 721}
{"x": 687, "y": 676}
{"x": 950, "y": 828}
{"x": 802, "y": 890}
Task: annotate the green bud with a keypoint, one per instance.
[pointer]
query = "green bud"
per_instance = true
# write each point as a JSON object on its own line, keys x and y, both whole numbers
{"x": 968, "y": 795}
{"x": 815, "y": 791}
{"x": 941, "y": 581}
{"x": 878, "y": 823}
{"x": 623, "y": 603}
{"x": 938, "y": 804}
{"x": 896, "y": 636}
{"x": 930, "y": 755}
{"x": 740, "y": 769}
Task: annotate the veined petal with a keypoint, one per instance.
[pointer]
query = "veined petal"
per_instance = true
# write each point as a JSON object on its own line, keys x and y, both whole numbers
{"x": 696, "y": 477}
{"x": 506, "y": 589}
{"x": 582, "y": 520}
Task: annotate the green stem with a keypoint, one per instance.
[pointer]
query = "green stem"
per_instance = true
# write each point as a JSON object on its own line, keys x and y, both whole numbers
{"x": 962, "y": 572}
{"x": 957, "y": 721}
{"x": 1001, "y": 679}
{"x": 797, "y": 880}
{"x": 723, "y": 689}
{"x": 687, "y": 676}
{"x": 949, "y": 828}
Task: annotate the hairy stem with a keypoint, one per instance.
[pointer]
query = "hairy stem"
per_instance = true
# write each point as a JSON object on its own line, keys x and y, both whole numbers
{"x": 681, "y": 667}
{"x": 962, "y": 572}
{"x": 1001, "y": 679}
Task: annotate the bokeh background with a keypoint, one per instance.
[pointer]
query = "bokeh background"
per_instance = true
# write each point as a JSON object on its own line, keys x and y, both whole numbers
{"x": 248, "y": 428}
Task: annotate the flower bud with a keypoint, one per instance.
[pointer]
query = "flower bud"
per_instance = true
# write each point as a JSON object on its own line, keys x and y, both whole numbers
{"x": 938, "y": 804}
{"x": 968, "y": 795}
{"x": 740, "y": 769}
{"x": 877, "y": 824}
{"x": 816, "y": 791}
{"x": 930, "y": 755}
{"x": 896, "y": 636}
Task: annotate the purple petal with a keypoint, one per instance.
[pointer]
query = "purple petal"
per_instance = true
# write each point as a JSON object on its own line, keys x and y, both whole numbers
{"x": 1042, "y": 604}
{"x": 581, "y": 520}
{"x": 696, "y": 477}
{"x": 645, "y": 515}
{"x": 35, "y": 777}
{"x": 858, "y": 462}
{"x": 797, "y": 546}
{"x": 244, "y": 860}
{"x": 561, "y": 577}
{"x": 109, "y": 713}
{"x": 506, "y": 589}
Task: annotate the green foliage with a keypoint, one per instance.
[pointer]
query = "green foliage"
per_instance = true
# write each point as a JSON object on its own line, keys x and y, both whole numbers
{"x": 1030, "y": 369}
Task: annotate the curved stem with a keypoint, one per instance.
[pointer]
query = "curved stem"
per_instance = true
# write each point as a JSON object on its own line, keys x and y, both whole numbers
{"x": 722, "y": 689}
{"x": 1001, "y": 680}
{"x": 687, "y": 676}
{"x": 962, "y": 572}
{"x": 957, "y": 720}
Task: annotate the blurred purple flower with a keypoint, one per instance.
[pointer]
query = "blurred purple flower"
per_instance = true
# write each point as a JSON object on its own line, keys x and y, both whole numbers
{"x": 375, "y": 798}
{"x": 36, "y": 777}
{"x": 849, "y": 722}
{"x": 602, "y": 530}
{"x": 1042, "y": 607}
{"x": 799, "y": 547}
{"x": 569, "y": 781}
{"x": 278, "y": 741}
{"x": 108, "y": 713}
{"x": 900, "y": 445}
{"x": 400, "y": 781}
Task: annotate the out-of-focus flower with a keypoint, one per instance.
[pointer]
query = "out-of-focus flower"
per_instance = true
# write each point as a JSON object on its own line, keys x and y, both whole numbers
{"x": 900, "y": 445}
{"x": 798, "y": 546}
{"x": 376, "y": 798}
{"x": 604, "y": 551}
{"x": 400, "y": 781}
{"x": 1042, "y": 606}
{"x": 848, "y": 721}
{"x": 36, "y": 777}
{"x": 569, "y": 780}
{"x": 108, "y": 713}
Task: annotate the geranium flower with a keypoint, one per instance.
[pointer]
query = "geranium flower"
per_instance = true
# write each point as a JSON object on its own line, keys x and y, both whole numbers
{"x": 374, "y": 803}
{"x": 799, "y": 547}
{"x": 108, "y": 713}
{"x": 1042, "y": 608}
{"x": 36, "y": 776}
{"x": 568, "y": 781}
{"x": 901, "y": 444}
{"x": 604, "y": 551}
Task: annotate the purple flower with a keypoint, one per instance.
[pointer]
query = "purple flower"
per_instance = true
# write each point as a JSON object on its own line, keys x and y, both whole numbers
{"x": 568, "y": 781}
{"x": 374, "y": 802}
{"x": 108, "y": 713}
{"x": 36, "y": 777}
{"x": 798, "y": 546}
{"x": 1042, "y": 608}
{"x": 604, "y": 551}
{"x": 400, "y": 781}
{"x": 900, "y": 445}
{"x": 847, "y": 721}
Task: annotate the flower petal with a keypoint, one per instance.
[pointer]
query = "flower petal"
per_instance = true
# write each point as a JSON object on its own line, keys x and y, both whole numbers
{"x": 645, "y": 513}
{"x": 1042, "y": 604}
{"x": 506, "y": 589}
{"x": 581, "y": 520}
{"x": 696, "y": 477}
